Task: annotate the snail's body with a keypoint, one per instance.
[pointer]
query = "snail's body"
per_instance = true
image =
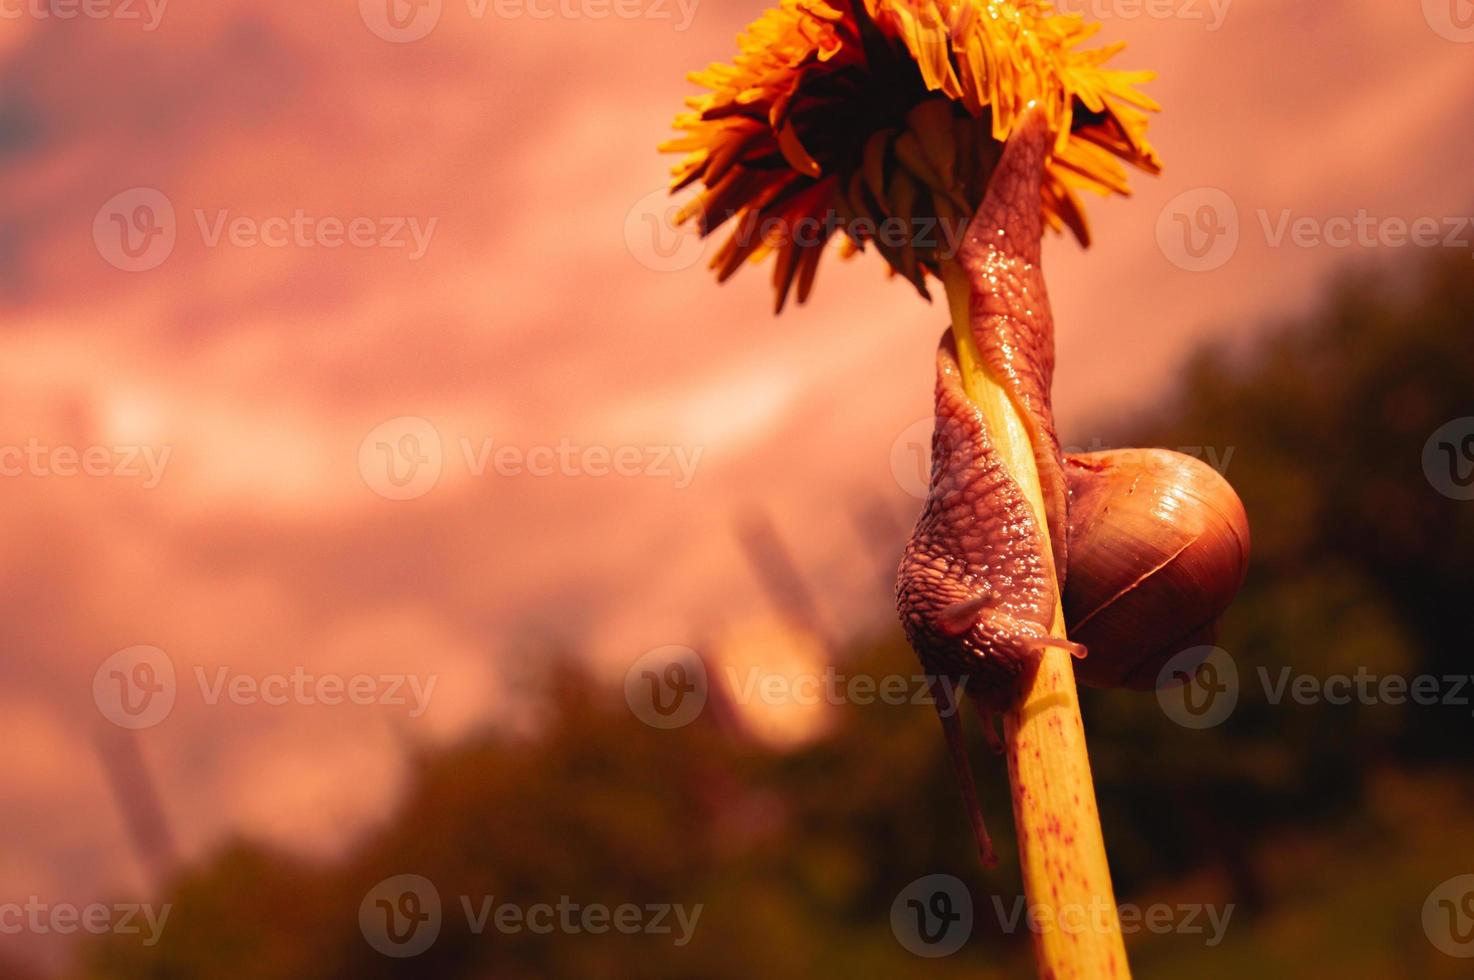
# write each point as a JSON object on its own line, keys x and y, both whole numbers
{"x": 1150, "y": 553}
{"x": 976, "y": 590}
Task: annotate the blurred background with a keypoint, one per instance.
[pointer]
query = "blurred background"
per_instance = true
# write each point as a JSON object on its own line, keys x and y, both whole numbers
{"x": 373, "y": 451}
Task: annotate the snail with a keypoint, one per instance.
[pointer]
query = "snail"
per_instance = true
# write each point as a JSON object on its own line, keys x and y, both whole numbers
{"x": 1151, "y": 546}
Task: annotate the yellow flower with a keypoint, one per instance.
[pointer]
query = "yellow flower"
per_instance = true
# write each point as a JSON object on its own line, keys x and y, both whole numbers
{"x": 882, "y": 119}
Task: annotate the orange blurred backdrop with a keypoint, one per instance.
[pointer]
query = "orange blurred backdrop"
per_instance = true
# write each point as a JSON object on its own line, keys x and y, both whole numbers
{"x": 347, "y": 339}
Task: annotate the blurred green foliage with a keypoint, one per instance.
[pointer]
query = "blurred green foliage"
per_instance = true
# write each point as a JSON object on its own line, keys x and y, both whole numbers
{"x": 1325, "y": 825}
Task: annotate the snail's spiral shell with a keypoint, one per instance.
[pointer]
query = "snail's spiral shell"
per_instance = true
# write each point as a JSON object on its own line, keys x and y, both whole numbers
{"x": 1159, "y": 545}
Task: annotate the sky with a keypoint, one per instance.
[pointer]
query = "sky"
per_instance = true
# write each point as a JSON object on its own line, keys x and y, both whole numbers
{"x": 390, "y": 378}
